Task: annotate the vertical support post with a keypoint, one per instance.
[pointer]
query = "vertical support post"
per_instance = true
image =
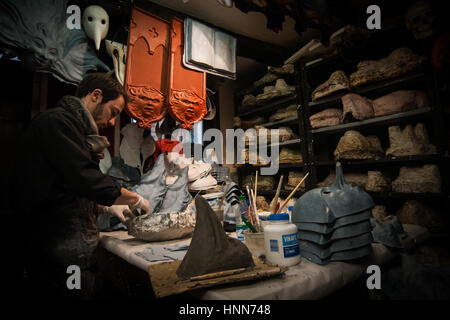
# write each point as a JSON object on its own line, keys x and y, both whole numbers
{"x": 40, "y": 93}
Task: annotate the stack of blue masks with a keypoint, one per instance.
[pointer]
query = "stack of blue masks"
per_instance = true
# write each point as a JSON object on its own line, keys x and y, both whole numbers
{"x": 334, "y": 222}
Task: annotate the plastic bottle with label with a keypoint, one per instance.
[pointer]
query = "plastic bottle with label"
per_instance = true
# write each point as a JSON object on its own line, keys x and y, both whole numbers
{"x": 281, "y": 241}
{"x": 240, "y": 225}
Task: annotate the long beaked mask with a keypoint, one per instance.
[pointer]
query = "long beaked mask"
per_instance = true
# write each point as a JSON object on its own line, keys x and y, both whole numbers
{"x": 118, "y": 52}
{"x": 96, "y": 24}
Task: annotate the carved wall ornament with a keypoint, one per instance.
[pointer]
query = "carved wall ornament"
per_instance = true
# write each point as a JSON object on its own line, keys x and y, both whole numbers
{"x": 146, "y": 73}
{"x": 187, "y": 101}
{"x": 146, "y": 104}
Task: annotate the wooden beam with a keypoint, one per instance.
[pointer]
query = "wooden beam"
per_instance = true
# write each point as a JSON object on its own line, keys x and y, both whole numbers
{"x": 264, "y": 52}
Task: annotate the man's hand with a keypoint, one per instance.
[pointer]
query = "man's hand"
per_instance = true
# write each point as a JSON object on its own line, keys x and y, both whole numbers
{"x": 119, "y": 211}
{"x": 141, "y": 204}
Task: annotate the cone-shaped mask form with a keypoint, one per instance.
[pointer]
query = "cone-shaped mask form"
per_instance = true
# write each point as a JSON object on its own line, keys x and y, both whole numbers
{"x": 211, "y": 250}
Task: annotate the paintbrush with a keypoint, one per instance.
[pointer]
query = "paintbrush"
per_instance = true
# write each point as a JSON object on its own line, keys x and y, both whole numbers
{"x": 251, "y": 205}
{"x": 292, "y": 193}
{"x": 275, "y": 199}
{"x": 258, "y": 223}
{"x": 255, "y": 210}
{"x": 256, "y": 184}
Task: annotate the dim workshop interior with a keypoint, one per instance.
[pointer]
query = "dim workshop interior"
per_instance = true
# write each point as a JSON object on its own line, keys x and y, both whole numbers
{"x": 226, "y": 149}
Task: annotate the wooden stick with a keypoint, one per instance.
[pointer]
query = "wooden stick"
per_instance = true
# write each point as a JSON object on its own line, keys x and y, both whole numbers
{"x": 258, "y": 223}
{"x": 256, "y": 184}
{"x": 292, "y": 193}
{"x": 217, "y": 274}
{"x": 252, "y": 220}
{"x": 223, "y": 196}
{"x": 275, "y": 200}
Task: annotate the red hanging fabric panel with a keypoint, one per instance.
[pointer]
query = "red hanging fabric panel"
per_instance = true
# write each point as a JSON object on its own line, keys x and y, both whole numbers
{"x": 187, "y": 95}
{"x": 146, "y": 77}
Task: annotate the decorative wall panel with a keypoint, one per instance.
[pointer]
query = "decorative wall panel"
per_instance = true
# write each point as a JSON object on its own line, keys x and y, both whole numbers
{"x": 147, "y": 67}
{"x": 187, "y": 97}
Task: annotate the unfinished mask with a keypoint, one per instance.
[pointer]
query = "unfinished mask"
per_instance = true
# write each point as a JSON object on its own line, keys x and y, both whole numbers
{"x": 421, "y": 20}
{"x": 118, "y": 52}
{"x": 96, "y": 24}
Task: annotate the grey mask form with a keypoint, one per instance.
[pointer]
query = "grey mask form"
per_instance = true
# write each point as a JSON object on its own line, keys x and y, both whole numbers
{"x": 347, "y": 232}
{"x": 337, "y": 256}
{"x": 326, "y": 205}
{"x": 325, "y": 252}
{"x": 211, "y": 250}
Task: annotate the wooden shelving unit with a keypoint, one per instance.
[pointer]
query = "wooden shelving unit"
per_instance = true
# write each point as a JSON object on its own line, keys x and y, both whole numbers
{"x": 267, "y": 107}
{"x": 321, "y": 142}
{"x": 318, "y": 144}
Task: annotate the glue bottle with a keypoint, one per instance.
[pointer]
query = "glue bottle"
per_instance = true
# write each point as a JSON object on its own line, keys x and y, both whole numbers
{"x": 281, "y": 241}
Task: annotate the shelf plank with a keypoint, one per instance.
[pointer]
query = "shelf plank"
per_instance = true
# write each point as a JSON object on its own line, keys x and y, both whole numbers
{"x": 280, "y": 166}
{"x": 286, "y": 121}
{"x": 368, "y": 88}
{"x": 252, "y": 89}
{"x": 287, "y": 143}
{"x": 387, "y": 161}
{"x": 272, "y": 105}
{"x": 382, "y": 120}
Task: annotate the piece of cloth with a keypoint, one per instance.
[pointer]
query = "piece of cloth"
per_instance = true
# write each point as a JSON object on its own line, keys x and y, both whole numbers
{"x": 389, "y": 232}
{"x": 125, "y": 175}
{"x": 153, "y": 185}
{"x": 205, "y": 183}
{"x": 130, "y": 147}
{"x": 305, "y": 280}
{"x": 58, "y": 186}
{"x": 106, "y": 162}
{"x": 163, "y": 252}
{"x": 106, "y": 223}
{"x": 164, "y": 146}
{"x": 177, "y": 196}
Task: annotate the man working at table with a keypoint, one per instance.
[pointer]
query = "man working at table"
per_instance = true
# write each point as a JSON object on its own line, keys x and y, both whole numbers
{"x": 61, "y": 186}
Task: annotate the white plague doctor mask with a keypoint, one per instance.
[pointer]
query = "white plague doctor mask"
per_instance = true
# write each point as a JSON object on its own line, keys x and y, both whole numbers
{"x": 96, "y": 24}
{"x": 118, "y": 52}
